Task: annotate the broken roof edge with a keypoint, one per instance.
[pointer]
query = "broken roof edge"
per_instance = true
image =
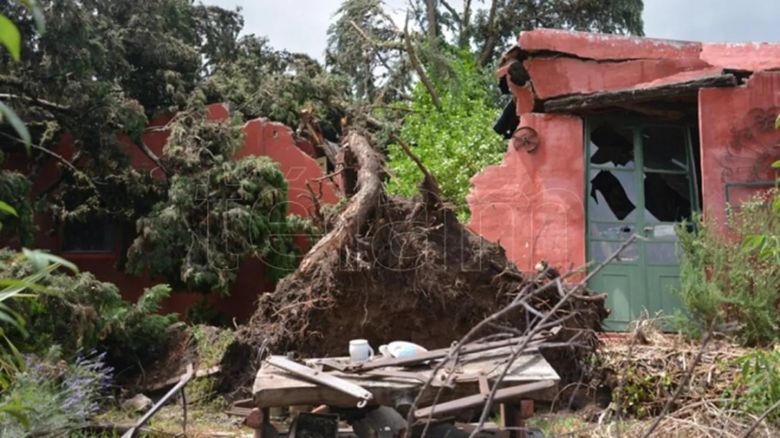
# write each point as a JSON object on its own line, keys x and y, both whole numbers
{"x": 745, "y": 56}
{"x": 676, "y": 85}
{"x": 605, "y": 47}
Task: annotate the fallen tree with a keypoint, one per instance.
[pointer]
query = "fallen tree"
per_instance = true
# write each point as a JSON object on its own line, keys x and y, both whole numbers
{"x": 394, "y": 268}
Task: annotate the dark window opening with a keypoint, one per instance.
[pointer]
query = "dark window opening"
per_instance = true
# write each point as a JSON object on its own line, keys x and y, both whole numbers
{"x": 612, "y": 146}
{"x": 89, "y": 236}
{"x": 665, "y": 183}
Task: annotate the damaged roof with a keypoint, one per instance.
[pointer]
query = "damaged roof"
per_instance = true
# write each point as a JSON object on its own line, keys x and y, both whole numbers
{"x": 576, "y": 71}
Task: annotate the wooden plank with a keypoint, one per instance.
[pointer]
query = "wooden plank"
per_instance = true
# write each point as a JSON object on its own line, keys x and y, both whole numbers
{"x": 443, "y": 352}
{"x": 582, "y": 102}
{"x": 319, "y": 377}
{"x": 274, "y": 387}
{"x": 479, "y": 399}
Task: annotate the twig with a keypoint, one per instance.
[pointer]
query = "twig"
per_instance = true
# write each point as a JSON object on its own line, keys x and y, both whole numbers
{"x": 184, "y": 411}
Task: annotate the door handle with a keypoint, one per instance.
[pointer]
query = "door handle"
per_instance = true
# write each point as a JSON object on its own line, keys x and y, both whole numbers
{"x": 648, "y": 230}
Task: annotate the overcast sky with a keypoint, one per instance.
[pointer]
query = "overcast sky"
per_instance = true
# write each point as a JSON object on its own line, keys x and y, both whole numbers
{"x": 300, "y": 25}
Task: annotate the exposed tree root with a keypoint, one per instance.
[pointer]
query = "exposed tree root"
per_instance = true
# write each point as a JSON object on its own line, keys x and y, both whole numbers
{"x": 394, "y": 269}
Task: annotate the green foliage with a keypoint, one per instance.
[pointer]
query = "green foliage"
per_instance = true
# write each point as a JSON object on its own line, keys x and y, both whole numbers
{"x": 57, "y": 397}
{"x": 211, "y": 344}
{"x": 219, "y": 210}
{"x": 757, "y": 386}
{"x": 454, "y": 143}
{"x": 725, "y": 281}
{"x": 80, "y": 313}
{"x": 259, "y": 81}
{"x": 15, "y": 191}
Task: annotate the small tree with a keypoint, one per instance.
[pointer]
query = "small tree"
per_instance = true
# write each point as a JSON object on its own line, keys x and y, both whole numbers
{"x": 455, "y": 142}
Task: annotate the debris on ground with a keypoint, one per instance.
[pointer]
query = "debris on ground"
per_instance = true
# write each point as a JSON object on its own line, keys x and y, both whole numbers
{"x": 639, "y": 372}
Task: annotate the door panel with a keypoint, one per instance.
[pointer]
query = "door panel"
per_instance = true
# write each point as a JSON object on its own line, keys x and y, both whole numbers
{"x": 619, "y": 283}
{"x": 639, "y": 181}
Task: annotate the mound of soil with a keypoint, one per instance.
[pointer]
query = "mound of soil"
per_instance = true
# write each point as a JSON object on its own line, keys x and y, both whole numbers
{"x": 394, "y": 269}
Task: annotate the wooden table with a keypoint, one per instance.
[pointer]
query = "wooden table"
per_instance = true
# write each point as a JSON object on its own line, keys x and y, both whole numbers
{"x": 276, "y": 387}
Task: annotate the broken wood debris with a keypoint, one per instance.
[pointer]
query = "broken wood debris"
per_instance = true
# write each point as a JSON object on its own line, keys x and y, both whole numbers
{"x": 322, "y": 378}
{"x": 179, "y": 387}
{"x": 283, "y": 382}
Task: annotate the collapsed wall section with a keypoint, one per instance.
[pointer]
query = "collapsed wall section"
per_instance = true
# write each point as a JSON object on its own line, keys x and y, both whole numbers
{"x": 532, "y": 203}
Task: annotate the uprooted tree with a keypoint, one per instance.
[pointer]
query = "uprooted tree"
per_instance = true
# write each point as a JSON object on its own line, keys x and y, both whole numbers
{"x": 395, "y": 268}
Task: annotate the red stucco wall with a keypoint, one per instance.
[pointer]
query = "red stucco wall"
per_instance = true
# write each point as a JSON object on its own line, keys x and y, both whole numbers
{"x": 532, "y": 203}
{"x": 738, "y": 139}
{"x": 562, "y": 76}
{"x": 605, "y": 47}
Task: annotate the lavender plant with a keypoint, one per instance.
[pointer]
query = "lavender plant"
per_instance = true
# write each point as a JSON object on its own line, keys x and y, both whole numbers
{"x": 59, "y": 397}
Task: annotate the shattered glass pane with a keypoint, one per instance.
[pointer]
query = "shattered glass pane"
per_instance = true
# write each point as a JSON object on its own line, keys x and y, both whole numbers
{"x": 612, "y": 196}
{"x": 667, "y": 197}
{"x": 612, "y": 147}
{"x": 663, "y": 148}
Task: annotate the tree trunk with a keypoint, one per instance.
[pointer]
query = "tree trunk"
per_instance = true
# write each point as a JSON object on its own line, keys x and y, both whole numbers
{"x": 433, "y": 23}
{"x": 490, "y": 43}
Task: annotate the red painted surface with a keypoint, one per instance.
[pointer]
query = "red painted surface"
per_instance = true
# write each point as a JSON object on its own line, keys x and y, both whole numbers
{"x": 680, "y": 78}
{"x": 742, "y": 56}
{"x": 738, "y": 139}
{"x": 262, "y": 138}
{"x": 275, "y": 140}
{"x": 606, "y": 47}
{"x": 562, "y": 76}
{"x": 603, "y": 47}
{"x": 532, "y": 203}
{"x": 524, "y": 98}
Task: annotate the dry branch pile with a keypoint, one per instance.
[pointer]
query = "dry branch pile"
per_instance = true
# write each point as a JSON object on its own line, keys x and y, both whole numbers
{"x": 645, "y": 371}
{"x": 393, "y": 268}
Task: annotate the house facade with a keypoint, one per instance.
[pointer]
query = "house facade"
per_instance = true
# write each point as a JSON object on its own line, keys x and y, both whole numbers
{"x": 612, "y": 136}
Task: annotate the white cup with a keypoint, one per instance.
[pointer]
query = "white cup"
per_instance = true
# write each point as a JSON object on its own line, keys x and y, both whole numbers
{"x": 360, "y": 351}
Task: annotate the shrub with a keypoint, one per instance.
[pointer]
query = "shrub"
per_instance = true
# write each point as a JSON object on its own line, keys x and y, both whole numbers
{"x": 728, "y": 279}
{"x": 80, "y": 313}
{"x": 57, "y": 397}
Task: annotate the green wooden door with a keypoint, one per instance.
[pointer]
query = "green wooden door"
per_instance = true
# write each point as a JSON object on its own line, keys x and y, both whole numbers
{"x": 640, "y": 180}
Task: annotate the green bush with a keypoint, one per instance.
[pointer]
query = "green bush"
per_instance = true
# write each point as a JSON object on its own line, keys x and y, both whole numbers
{"x": 757, "y": 386}
{"x": 80, "y": 313}
{"x": 726, "y": 278}
{"x": 455, "y": 142}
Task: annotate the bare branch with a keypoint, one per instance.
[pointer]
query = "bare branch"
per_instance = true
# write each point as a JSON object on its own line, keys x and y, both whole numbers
{"x": 452, "y": 11}
{"x": 760, "y": 419}
{"x": 417, "y": 65}
{"x": 152, "y": 156}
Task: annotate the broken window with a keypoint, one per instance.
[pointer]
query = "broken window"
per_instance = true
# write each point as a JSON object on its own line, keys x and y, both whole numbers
{"x": 665, "y": 178}
{"x": 612, "y": 147}
{"x": 612, "y": 195}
